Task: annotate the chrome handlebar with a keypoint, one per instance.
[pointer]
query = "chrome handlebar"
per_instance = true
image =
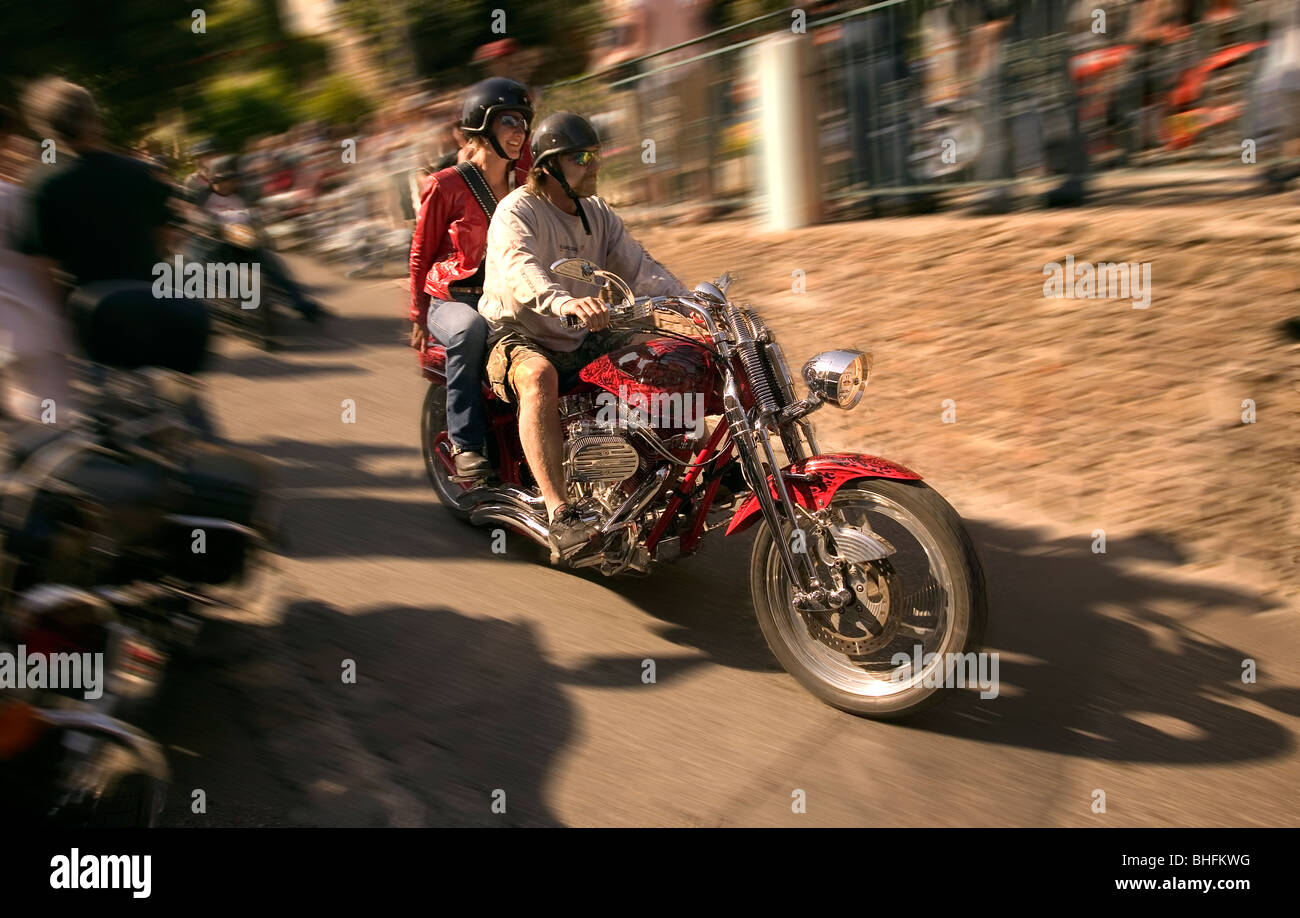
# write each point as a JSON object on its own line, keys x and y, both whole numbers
{"x": 643, "y": 307}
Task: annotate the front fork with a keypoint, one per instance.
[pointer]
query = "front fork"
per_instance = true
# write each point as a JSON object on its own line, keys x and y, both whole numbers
{"x": 753, "y": 446}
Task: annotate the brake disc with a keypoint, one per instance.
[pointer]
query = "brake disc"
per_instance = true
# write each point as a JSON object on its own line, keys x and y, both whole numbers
{"x": 868, "y": 622}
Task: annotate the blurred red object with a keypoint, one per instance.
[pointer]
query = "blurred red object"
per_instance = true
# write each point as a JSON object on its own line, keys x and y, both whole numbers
{"x": 503, "y": 47}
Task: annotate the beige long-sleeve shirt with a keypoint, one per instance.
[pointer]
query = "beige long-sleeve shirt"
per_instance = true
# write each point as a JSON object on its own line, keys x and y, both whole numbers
{"x": 527, "y": 234}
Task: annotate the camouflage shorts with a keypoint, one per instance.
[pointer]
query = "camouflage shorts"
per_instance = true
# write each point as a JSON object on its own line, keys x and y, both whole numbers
{"x": 512, "y": 350}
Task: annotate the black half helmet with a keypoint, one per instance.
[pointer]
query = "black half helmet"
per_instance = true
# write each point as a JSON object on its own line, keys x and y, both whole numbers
{"x": 491, "y": 97}
{"x": 562, "y": 132}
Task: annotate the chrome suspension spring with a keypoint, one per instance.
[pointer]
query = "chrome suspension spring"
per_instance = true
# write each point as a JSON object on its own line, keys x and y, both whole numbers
{"x": 752, "y": 360}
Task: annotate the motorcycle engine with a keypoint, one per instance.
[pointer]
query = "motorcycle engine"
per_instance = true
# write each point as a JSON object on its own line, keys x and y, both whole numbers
{"x": 596, "y": 454}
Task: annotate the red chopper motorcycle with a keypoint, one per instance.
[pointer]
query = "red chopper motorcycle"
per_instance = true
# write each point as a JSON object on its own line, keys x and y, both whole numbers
{"x": 865, "y": 583}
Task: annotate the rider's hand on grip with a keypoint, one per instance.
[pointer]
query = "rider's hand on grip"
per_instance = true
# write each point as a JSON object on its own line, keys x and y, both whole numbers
{"x": 588, "y": 311}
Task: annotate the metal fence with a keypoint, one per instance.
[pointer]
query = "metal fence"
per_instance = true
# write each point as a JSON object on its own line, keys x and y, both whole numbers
{"x": 914, "y": 97}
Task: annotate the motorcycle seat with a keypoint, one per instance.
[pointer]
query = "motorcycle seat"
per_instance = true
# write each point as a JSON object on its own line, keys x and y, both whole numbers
{"x": 433, "y": 362}
{"x": 122, "y": 324}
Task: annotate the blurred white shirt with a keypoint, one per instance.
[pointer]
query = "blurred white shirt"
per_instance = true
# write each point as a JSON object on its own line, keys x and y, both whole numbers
{"x": 34, "y": 337}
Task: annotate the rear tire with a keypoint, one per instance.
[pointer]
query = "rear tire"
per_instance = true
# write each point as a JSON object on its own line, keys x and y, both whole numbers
{"x": 433, "y": 421}
{"x": 945, "y": 570}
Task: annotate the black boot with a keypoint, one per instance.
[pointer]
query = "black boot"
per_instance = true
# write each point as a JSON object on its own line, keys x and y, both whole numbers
{"x": 471, "y": 466}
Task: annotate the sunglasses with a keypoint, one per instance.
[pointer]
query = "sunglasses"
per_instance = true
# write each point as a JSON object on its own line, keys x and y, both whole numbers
{"x": 510, "y": 122}
{"x": 585, "y": 157}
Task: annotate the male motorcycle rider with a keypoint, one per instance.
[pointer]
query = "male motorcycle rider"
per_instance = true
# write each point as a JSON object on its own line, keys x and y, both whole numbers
{"x": 224, "y": 204}
{"x": 447, "y": 265}
{"x": 556, "y": 215}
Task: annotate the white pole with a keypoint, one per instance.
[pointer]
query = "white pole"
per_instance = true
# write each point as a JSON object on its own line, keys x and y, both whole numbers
{"x": 788, "y": 132}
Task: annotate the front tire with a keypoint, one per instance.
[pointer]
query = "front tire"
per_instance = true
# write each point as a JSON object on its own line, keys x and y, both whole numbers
{"x": 928, "y": 597}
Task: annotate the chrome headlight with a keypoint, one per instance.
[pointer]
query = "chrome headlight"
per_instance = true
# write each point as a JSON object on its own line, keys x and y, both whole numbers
{"x": 838, "y": 377}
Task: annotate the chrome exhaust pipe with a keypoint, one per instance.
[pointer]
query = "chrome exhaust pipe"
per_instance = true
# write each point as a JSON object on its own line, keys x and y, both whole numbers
{"x": 526, "y": 523}
{"x": 512, "y": 507}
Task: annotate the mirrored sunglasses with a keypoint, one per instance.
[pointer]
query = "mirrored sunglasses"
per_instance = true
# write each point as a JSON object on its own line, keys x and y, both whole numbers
{"x": 512, "y": 121}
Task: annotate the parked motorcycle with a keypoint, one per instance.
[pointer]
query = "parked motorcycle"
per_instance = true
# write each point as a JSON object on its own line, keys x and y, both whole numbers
{"x": 120, "y": 531}
{"x": 865, "y": 583}
{"x": 73, "y": 761}
{"x": 237, "y": 241}
{"x": 77, "y": 769}
{"x": 1208, "y": 99}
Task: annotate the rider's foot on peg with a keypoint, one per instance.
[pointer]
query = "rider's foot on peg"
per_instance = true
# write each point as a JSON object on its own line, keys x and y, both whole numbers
{"x": 471, "y": 465}
{"x": 568, "y": 530}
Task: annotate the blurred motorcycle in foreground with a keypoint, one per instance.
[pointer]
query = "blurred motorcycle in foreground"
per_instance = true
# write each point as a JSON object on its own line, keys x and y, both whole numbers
{"x": 121, "y": 529}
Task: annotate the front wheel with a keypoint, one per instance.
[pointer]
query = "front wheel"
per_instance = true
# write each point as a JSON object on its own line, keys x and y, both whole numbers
{"x": 915, "y": 619}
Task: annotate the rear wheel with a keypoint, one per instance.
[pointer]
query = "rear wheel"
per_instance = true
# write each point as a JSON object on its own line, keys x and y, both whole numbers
{"x": 924, "y": 604}
{"x": 436, "y": 447}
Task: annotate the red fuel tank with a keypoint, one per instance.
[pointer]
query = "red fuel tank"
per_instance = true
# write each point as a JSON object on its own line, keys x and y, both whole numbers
{"x": 660, "y": 366}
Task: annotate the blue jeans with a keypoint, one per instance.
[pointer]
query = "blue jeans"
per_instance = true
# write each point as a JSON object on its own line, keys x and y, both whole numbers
{"x": 463, "y": 332}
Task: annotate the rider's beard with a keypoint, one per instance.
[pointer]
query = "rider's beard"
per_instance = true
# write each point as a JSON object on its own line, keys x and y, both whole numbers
{"x": 587, "y": 187}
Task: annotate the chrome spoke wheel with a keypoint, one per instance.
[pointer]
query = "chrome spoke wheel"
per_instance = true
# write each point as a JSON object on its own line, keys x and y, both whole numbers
{"x": 887, "y": 649}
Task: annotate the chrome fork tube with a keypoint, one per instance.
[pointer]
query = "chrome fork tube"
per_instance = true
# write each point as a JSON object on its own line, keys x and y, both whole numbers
{"x": 743, "y": 433}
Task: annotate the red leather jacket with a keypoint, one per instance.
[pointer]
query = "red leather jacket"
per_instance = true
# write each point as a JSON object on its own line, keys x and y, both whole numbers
{"x": 450, "y": 236}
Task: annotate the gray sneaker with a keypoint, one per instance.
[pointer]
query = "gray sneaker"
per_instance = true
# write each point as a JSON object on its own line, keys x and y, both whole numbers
{"x": 568, "y": 531}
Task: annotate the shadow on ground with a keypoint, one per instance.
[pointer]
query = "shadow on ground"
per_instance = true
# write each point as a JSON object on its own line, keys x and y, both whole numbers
{"x": 1102, "y": 670}
{"x": 1095, "y": 666}
{"x": 448, "y": 708}
{"x": 446, "y": 711}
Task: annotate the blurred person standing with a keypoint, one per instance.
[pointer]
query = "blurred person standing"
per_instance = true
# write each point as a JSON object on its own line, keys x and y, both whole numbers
{"x": 34, "y": 336}
{"x": 1153, "y": 26}
{"x": 1277, "y": 97}
{"x": 674, "y": 107}
{"x": 196, "y": 185}
{"x": 455, "y": 144}
{"x": 1020, "y": 55}
{"x": 507, "y": 59}
{"x": 499, "y": 58}
{"x": 881, "y": 99}
{"x": 226, "y": 206}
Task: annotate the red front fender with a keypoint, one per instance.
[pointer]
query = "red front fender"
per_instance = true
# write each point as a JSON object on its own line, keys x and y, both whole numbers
{"x": 828, "y": 474}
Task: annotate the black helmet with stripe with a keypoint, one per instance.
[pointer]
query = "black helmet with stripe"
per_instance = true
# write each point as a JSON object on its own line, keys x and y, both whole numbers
{"x": 489, "y": 98}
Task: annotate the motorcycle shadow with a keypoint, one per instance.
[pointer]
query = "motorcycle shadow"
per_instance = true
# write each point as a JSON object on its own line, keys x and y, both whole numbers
{"x": 446, "y": 710}
{"x": 1100, "y": 660}
{"x": 701, "y": 602}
